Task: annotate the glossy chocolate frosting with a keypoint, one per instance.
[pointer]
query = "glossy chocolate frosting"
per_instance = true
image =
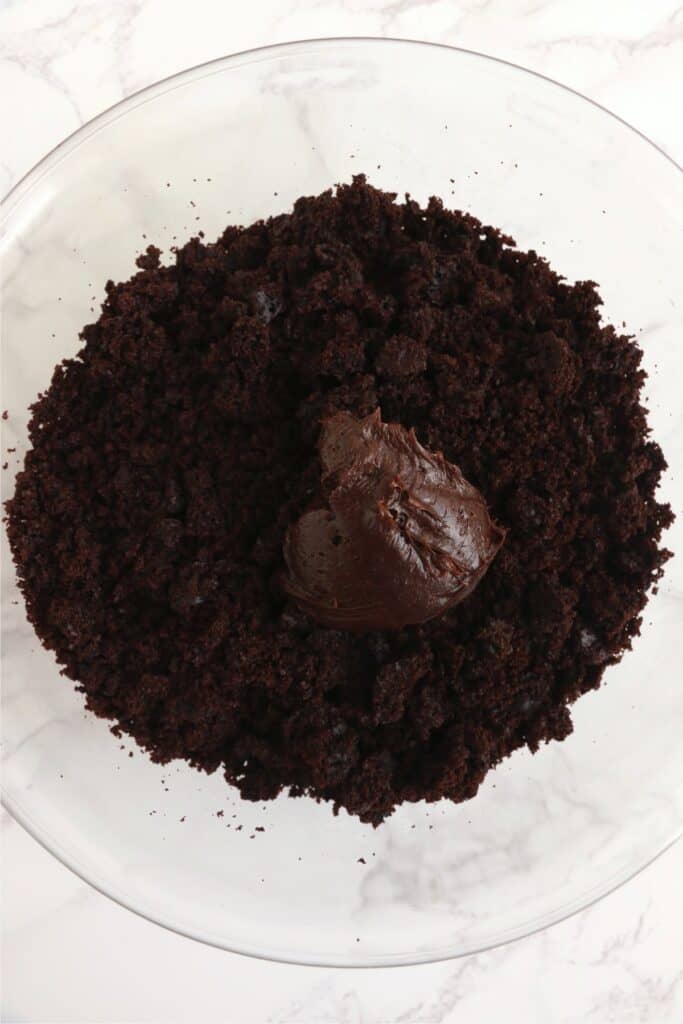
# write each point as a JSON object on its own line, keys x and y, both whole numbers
{"x": 397, "y": 536}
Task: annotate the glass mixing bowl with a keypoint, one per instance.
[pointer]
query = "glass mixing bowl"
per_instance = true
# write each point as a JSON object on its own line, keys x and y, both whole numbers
{"x": 239, "y": 139}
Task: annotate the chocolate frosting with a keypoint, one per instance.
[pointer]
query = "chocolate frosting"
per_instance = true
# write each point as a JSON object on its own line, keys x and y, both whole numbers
{"x": 397, "y": 537}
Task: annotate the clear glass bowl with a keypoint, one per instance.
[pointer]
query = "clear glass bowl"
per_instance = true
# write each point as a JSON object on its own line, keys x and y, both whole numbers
{"x": 239, "y": 139}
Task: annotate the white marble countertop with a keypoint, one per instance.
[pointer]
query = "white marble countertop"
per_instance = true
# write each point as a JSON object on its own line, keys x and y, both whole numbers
{"x": 71, "y": 955}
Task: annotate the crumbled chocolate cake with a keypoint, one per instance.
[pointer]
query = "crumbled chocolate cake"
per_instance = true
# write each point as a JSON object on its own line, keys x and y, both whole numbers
{"x": 172, "y": 455}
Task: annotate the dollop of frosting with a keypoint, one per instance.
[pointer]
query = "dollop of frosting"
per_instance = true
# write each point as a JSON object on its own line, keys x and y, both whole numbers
{"x": 396, "y": 536}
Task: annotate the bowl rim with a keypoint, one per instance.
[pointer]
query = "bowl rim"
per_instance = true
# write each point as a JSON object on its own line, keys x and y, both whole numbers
{"x": 272, "y": 50}
{"x": 13, "y": 198}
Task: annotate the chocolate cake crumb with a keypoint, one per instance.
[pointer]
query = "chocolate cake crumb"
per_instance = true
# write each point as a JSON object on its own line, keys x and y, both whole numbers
{"x": 170, "y": 456}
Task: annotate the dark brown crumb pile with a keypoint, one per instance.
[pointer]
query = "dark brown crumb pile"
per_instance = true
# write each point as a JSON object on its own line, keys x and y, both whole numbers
{"x": 170, "y": 456}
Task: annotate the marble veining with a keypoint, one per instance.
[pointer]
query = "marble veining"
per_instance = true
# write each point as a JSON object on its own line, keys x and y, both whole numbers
{"x": 61, "y": 63}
